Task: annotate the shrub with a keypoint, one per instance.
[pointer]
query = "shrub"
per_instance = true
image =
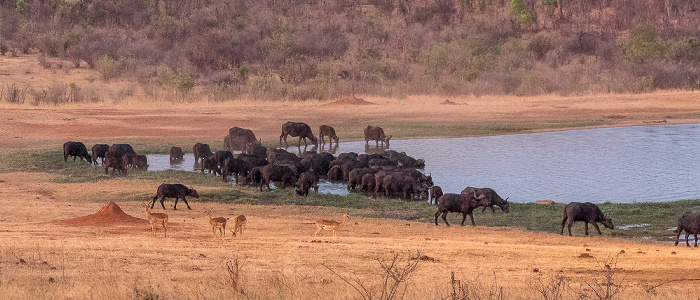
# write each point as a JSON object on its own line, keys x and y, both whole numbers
{"x": 644, "y": 45}
{"x": 686, "y": 49}
{"x": 521, "y": 13}
{"x": 106, "y": 66}
{"x": 540, "y": 45}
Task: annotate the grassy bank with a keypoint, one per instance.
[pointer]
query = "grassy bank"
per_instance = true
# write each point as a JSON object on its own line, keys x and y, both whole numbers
{"x": 638, "y": 221}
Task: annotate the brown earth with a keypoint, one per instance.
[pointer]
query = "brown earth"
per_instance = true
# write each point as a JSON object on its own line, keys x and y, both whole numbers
{"x": 350, "y": 100}
{"x": 109, "y": 215}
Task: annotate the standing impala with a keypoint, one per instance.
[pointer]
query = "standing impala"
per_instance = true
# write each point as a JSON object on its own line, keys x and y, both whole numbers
{"x": 330, "y": 225}
{"x": 218, "y": 222}
{"x": 155, "y": 219}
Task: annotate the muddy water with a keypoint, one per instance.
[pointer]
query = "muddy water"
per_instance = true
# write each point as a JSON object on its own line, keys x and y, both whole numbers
{"x": 624, "y": 165}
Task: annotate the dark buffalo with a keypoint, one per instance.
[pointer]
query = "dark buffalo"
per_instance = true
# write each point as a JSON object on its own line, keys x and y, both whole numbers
{"x": 275, "y": 155}
{"x": 435, "y": 193}
{"x": 492, "y": 196}
{"x": 690, "y": 223}
{"x": 98, "y": 151}
{"x": 307, "y": 180}
{"x": 210, "y": 165}
{"x": 76, "y": 149}
{"x": 297, "y": 129}
{"x": 379, "y": 181}
{"x": 128, "y": 159}
{"x": 176, "y": 154}
{"x": 376, "y": 133}
{"x": 461, "y": 203}
{"x": 254, "y": 176}
{"x": 256, "y": 149}
{"x": 121, "y": 149}
{"x": 140, "y": 162}
{"x": 368, "y": 182}
{"x": 177, "y": 191}
{"x": 201, "y": 151}
{"x": 398, "y": 183}
{"x": 115, "y": 162}
{"x": 253, "y": 160}
{"x": 328, "y": 131}
{"x": 234, "y": 166}
{"x": 586, "y": 212}
{"x": 335, "y": 173}
{"x": 221, "y": 156}
{"x": 239, "y": 139}
{"x": 355, "y": 176}
{"x": 277, "y": 173}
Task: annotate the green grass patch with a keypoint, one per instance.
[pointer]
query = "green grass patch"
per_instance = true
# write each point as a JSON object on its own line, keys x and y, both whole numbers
{"x": 643, "y": 221}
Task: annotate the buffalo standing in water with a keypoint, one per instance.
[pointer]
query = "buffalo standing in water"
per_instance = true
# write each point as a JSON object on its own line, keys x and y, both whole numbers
{"x": 376, "y": 134}
{"x": 295, "y": 129}
{"x": 328, "y": 131}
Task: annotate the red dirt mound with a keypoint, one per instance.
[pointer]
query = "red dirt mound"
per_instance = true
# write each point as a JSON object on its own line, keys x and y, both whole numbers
{"x": 109, "y": 215}
{"x": 350, "y": 100}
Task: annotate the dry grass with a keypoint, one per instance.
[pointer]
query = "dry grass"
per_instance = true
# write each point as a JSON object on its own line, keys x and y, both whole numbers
{"x": 280, "y": 257}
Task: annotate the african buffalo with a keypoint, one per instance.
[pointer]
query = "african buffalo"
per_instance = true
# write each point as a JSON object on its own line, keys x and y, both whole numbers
{"x": 295, "y": 129}
{"x": 395, "y": 183}
{"x": 435, "y": 193}
{"x": 461, "y": 203}
{"x": 254, "y": 177}
{"x": 115, "y": 162}
{"x": 326, "y": 130}
{"x": 121, "y": 149}
{"x": 335, "y": 173}
{"x": 210, "y": 165}
{"x": 140, "y": 162}
{"x": 176, "y": 154}
{"x": 355, "y": 176}
{"x": 76, "y": 149}
{"x": 128, "y": 159}
{"x": 492, "y": 196}
{"x": 201, "y": 151}
{"x": 274, "y": 155}
{"x": 234, "y": 166}
{"x": 253, "y": 160}
{"x": 98, "y": 151}
{"x": 376, "y": 134}
{"x": 368, "y": 182}
{"x": 177, "y": 191}
{"x": 586, "y": 212}
{"x": 239, "y": 139}
{"x": 277, "y": 173}
{"x": 220, "y": 158}
{"x": 306, "y": 181}
{"x": 690, "y": 223}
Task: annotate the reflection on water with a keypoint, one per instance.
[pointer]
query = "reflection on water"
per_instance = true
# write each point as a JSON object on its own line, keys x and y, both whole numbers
{"x": 624, "y": 165}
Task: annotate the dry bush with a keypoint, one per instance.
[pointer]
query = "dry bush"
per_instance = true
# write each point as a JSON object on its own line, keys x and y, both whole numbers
{"x": 608, "y": 286}
{"x": 13, "y": 94}
{"x": 474, "y": 289}
{"x": 395, "y": 272}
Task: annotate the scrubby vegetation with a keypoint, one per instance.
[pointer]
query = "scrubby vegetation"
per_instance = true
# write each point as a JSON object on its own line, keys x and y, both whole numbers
{"x": 295, "y": 49}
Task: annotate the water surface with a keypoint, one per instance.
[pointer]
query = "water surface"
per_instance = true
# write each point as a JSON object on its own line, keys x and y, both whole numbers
{"x": 623, "y": 165}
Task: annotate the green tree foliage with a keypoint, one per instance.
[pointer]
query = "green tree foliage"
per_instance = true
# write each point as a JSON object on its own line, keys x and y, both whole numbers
{"x": 521, "y": 13}
{"x": 644, "y": 45}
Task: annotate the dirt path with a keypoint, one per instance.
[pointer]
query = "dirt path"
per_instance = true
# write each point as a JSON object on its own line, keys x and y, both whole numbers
{"x": 23, "y": 126}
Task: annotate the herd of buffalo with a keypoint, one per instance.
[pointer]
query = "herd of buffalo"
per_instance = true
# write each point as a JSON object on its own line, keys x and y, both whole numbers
{"x": 388, "y": 173}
